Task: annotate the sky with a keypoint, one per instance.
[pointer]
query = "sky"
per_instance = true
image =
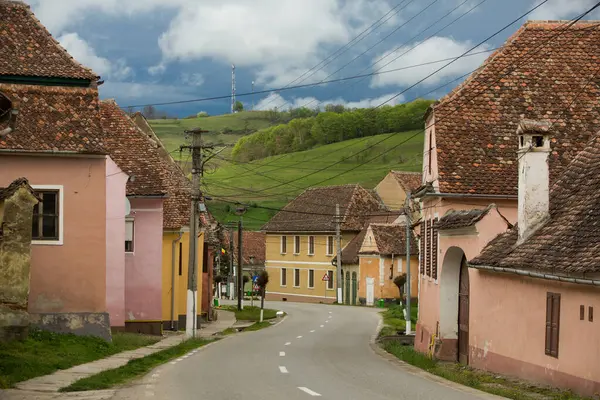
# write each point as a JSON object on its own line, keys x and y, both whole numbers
{"x": 157, "y": 51}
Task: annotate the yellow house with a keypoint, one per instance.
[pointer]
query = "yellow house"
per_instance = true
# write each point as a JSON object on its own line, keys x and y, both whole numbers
{"x": 300, "y": 241}
{"x": 176, "y": 239}
{"x": 394, "y": 187}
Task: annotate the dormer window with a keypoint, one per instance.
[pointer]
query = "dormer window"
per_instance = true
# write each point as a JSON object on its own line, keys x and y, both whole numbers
{"x": 537, "y": 141}
{"x": 5, "y": 109}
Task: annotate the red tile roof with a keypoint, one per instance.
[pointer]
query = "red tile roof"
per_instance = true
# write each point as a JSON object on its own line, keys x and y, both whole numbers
{"x": 350, "y": 251}
{"x": 391, "y": 239}
{"x": 569, "y": 242}
{"x": 314, "y": 210}
{"x": 54, "y": 118}
{"x": 254, "y": 246}
{"x": 410, "y": 181}
{"x": 28, "y": 49}
{"x": 133, "y": 152}
{"x": 475, "y": 125}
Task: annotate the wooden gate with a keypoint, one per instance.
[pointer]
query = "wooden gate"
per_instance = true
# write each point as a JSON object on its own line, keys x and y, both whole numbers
{"x": 463, "y": 313}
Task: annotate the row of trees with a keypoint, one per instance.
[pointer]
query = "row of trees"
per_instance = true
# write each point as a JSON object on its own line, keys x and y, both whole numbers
{"x": 335, "y": 125}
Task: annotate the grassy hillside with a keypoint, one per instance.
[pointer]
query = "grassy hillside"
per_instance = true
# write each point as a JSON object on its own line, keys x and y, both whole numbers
{"x": 253, "y": 183}
{"x": 225, "y": 130}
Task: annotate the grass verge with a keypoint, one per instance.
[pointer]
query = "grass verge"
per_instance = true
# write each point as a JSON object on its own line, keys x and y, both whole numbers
{"x": 250, "y": 313}
{"x": 393, "y": 319}
{"x": 134, "y": 368}
{"x": 43, "y": 353}
{"x": 484, "y": 381}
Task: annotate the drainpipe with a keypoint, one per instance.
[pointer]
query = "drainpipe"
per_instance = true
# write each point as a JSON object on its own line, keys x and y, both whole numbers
{"x": 173, "y": 249}
{"x": 531, "y": 274}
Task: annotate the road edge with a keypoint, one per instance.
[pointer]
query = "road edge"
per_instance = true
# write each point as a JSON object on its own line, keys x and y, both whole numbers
{"x": 411, "y": 369}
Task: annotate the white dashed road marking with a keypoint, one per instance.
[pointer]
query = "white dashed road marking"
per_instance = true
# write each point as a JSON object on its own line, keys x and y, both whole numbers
{"x": 298, "y": 337}
{"x": 173, "y": 362}
{"x": 312, "y": 331}
{"x": 327, "y": 321}
{"x": 321, "y": 326}
{"x": 155, "y": 375}
{"x": 283, "y": 369}
{"x": 288, "y": 343}
{"x": 330, "y": 312}
{"x": 311, "y": 392}
{"x": 282, "y": 354}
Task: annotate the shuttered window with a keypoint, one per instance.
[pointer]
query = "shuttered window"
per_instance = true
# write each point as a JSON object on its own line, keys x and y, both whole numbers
{"x": 283, "y": 277}
{"x": 552, "y": 323}
{"x": 296, "y": 277}
{"x": 422, "y": 250}
{"x": 428, "y": 248}
{"x": 311, "y": 278}
{"x": 311, "y": 245}
{"x": 434, "y": 250}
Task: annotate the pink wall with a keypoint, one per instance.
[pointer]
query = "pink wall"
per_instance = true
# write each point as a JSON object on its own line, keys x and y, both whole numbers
{"x": 143, "y": 267}
{"x": 115, "y": 239}
{"x": 68, "y": 277}
{"x": 512, "y": 342}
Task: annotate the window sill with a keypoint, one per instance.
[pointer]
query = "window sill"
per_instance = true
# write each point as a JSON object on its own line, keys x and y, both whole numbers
{"x": 296, "y": 287}
{"x": 47, "y": 242}
{"x": 282, "y": 285}
{"x": 311, "y": 288}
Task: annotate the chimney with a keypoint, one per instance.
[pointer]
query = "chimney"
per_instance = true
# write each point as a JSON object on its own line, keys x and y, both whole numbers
{"x": 534, "y": 178}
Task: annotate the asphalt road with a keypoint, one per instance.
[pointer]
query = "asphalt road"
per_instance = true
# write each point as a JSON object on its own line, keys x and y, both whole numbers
{"x": 317, "y": 351}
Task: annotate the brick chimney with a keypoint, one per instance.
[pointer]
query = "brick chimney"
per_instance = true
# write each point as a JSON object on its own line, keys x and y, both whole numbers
{"x": 534, "y": 178}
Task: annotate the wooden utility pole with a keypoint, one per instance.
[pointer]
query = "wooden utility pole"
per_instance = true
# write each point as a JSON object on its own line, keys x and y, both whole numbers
{"x": 192, "y": 292}
{"x": 338, "y": 238}
{"x": 240, "y": 280}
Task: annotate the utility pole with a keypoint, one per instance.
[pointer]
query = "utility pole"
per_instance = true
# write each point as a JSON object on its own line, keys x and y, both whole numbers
{"x": 231, "y": 275}
{"x": 240, "y": 280}
{"x": 252, "y": 95}
{"x": 192, "y": 290}
{"x": 407, "y": 212}
{"x": 338, "y": 238}
{"x": 232, "y": 88}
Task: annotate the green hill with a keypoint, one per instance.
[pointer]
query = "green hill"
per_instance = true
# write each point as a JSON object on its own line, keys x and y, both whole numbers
{"x": 225, "y": 130}
{"x": 254, "y": 182}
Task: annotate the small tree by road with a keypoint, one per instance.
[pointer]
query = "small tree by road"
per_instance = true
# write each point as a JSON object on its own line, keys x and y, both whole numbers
{"x": 262, "y": 281}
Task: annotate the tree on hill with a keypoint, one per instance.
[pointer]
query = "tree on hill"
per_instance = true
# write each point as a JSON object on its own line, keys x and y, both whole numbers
{"x": 239, "y": 106}
{"x": 202, "y": 114}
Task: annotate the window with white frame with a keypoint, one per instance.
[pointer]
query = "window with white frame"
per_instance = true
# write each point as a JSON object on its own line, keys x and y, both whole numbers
{"x": 283, "y": 244}
{"x": 329, "y": 245}
{"x": 329, "y": 279}
{"x": 311, "y": 245}
{"x": 296, "y": 244}
{"x": 47, "y": 223}
{"x": 311, "y": 278}
{"x": 296, "y": 277}
{"x": 283, "y": 277}
{"x": 129, "y": 234}
{"x": 399, "y": 265}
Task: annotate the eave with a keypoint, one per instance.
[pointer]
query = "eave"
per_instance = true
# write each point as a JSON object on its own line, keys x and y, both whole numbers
{"x": 45, "y": 81}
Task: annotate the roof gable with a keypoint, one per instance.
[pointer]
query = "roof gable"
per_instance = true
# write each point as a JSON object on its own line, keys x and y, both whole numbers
{"x": 475, "y": 124}
{"x": 350, "y": 251}
{"x": 28, "y": 49}
{"x": 409, "y": 181}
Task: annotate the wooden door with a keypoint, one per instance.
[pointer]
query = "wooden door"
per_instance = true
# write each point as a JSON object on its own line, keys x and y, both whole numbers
{"x": 463, "y": 313}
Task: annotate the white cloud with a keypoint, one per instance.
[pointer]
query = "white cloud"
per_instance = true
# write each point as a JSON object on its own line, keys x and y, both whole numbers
{"x": 275, "y": 100}
{"x": 192, "y": 79}
{"x": 436, "y": 48}
{"x": 560, "y": 9}
{"x": 129, "y": 92}
{"x": 86, "y": 55}
{"x": 157, "y": 69}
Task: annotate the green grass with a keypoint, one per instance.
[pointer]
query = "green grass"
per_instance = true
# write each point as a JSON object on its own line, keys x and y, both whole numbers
{"x": 43, "y": 353}
{"x": 239, "y": 182}
{"x": 487, "y": 382}
{"x": 250, "y": 313}
{"x": 224, "y": 130}
{"x": 134, "y": 368}
{"x": 393, "y": 319}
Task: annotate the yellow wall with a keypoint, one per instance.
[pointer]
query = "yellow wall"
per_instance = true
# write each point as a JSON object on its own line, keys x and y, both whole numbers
{"x": 180, "y": 280}
{"x": 369, "y": 267}
{"x": 391, "y": 192}
{"x": 320, "y": 262}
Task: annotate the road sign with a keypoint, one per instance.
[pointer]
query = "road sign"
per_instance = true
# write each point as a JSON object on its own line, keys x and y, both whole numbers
{"x": 254, "y": 278}
{"x": 325, "y": 278}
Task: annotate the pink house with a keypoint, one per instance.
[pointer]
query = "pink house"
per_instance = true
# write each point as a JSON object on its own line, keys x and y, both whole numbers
{"x": 470, "y": 194}
{"x": 138, "y": 307}
{"x": 50, "y": 133}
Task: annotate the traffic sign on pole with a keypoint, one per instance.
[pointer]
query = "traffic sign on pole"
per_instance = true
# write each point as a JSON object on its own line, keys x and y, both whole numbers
{"x": 325, "y": 278}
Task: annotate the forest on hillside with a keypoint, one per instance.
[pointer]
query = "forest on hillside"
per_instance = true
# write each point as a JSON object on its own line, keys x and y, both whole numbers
{"x": 334, "y": 125}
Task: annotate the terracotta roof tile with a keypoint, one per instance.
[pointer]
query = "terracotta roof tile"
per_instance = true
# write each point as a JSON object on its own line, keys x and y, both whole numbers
{"x": 314, "y": 210}
{"x": 254, "y": 246}
{"x": 133, "y": 152}
{"x": 475, "y": 124}
{"x": 391, "y": 239}
{"x": 462, "y": 218}
{"x": 28, "y": 49}
{"x": 350, "y": 251}
{"x": 53, "y": 118}
{"x": 569, "y": 242}
{"x": 410, "y": 181}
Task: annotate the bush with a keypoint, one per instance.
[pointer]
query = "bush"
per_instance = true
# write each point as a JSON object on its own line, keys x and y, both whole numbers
{"x": 202, "y": 114}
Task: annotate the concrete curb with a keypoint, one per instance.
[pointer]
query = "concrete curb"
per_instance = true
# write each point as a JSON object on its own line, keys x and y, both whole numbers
{"x": 411, "y": 369}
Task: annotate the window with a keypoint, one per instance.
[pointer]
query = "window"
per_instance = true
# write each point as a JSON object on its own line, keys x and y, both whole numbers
{"x": 329, "y": 245}
{"x": 129, "y": 232}
{"x": 422, "y": 250}
{"x": 5, "y": 108}
{"x": 430, "y": 150}
{"x": 296, "y": 244}
{"x": 47, "y": 218}
{"x": 311, "y": 245}
{"x": 582, "y": 312}
{"x": 205, "y": 260}
{"x": 311, "y": 278}
{"x": 552, "y": 323}
{"x": 434, "y": 249}
{"x": 296, "y": 277}
{"x": 399, "y": 265}
{"x": 180, "y": 258}
{"x": 330, "y": 281}
{"x": 283, "y": 276}
{"x": 283, "y": 244}
{"x": 591, "y": 313}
